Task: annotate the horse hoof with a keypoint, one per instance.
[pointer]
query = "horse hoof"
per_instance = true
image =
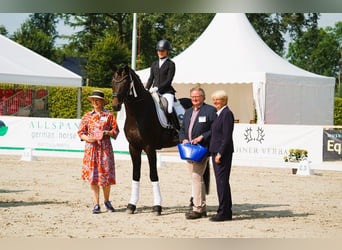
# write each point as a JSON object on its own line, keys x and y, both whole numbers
{"x": 130, "y": 208}
{"x": 157, "y": 210}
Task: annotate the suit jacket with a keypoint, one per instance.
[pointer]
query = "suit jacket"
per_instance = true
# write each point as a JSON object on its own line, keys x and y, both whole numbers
{"x": 202, "y": 124}
{"x": 162, "y": 77}
{"x": 222, "y": 133}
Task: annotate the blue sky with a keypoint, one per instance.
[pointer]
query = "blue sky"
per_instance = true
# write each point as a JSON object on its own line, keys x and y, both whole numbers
{"x": 12, "y": 22}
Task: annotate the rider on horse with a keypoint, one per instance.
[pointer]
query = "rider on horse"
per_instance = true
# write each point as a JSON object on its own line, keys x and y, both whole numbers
{"x": 161, "y": 76}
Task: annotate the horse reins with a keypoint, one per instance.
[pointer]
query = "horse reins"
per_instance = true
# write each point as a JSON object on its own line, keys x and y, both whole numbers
{"x": 117, "y": 95}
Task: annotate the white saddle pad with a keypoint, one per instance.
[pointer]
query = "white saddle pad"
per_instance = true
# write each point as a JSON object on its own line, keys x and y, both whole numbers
{"x": 161, "y": 114}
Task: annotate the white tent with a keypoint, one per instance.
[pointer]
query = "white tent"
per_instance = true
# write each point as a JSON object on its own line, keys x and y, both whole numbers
{"x": 20, "y": 65}
{"x": 230, "y": 55}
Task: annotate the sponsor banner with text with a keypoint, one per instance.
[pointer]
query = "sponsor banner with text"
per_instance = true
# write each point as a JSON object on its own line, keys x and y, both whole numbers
{"x": 46, "y": 134}
{"x": 255, "y": 145}
{"x": 332, "y": 145}
{"x": 261, "y": 145}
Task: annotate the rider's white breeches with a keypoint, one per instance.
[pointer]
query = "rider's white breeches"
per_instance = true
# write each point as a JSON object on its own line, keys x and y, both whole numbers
{"x": 170, "y": 100}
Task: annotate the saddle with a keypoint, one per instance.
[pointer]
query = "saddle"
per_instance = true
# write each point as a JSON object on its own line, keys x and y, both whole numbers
{"x": 161, "y": 105}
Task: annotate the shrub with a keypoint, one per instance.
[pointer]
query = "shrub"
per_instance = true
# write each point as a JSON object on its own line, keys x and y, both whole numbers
{"x": 338, "y": 111}
{"x": 63, "y": 101}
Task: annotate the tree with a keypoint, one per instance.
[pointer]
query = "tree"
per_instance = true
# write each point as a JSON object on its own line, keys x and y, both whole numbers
{"x": 106, "y": 52}
{"x": 273, "y": 27}
{"x": 36, "y": 40}
{"x": 3, "y": 30}
{"x": 95, "y": 27}
{"x": 338, "y": 34}
{"x": 317, "y": 51}
{"x": 180, "y": 29}
{"x": 45, "y": 22}
{"x": 38, "y": 33}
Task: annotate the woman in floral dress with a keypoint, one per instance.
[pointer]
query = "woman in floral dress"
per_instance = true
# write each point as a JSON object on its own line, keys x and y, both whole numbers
{"x": 96, "y": 129}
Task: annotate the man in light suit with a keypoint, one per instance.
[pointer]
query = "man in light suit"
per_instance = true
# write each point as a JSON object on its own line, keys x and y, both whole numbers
{"x": 196, "y": 129}
{"x": 221, "y": 149}
{"x": 161, "y": 76}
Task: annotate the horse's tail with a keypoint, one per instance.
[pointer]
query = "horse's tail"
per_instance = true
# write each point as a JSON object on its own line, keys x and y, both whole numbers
{"x": 185, "y": 102}
{"x": 206, "y": 178}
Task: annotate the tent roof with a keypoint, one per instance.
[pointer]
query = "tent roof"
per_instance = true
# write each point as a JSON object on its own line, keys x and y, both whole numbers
{"x": 229, "y": 50}
{"x": 20, "y": 65}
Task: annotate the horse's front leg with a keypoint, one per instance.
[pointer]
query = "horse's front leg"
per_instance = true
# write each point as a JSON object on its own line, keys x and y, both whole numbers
{"x": 157, "y": 199}
{"x": 136, "y": 160}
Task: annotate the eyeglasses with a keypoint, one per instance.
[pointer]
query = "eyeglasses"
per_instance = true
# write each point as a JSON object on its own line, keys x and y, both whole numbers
{"x": 195, "y": 97}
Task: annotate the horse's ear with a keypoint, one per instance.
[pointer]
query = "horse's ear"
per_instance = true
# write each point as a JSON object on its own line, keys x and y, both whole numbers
{"x": 112, "y": 67}
{"x": 126, "y": 68}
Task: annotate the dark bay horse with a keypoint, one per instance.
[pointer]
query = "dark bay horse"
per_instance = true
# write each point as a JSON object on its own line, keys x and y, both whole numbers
{"x": 142, "y": 129}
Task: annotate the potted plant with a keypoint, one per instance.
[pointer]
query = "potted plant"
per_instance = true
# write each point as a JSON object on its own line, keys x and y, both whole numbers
{"x": 296, "y": 155}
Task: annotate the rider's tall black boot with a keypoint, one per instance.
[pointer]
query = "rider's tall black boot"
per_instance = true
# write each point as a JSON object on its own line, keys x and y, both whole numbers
{"x": 174, "y": 120}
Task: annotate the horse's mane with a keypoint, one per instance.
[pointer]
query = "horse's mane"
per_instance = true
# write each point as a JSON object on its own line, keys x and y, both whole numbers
{"x": 135, "y": 76}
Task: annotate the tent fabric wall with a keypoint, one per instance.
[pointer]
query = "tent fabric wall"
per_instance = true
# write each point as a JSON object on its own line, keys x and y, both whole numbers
{"x": 20, "y": 65}
{"x": 230, "y": 52}
{"x": 299, "y": 100}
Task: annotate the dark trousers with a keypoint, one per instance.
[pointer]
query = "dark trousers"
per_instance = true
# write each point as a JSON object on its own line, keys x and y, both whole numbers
{"x": 222, "y": 174}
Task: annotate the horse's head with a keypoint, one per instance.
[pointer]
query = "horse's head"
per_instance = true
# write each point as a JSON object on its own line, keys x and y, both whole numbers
{"x": 120, "y": 86}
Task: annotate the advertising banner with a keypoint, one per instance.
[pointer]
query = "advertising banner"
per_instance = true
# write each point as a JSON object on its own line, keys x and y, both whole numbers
{"x": 47, "y": 134}
{"x": 267, "y": 145}
{"x": 255, "y": 145}
{"x": 332, "y": 145}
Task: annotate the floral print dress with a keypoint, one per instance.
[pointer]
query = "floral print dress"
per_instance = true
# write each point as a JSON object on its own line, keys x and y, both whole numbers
{"x": 98, "y": 162}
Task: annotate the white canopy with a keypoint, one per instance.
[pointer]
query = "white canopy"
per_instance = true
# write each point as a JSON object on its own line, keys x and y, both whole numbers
{"x": 230, "y": 55}
{"x": 20, "y": 65}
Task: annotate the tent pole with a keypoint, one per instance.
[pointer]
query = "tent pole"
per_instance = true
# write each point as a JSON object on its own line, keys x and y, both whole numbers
{"x": 79, "y": 96}
{"x": 134, "y": 42}
{"x": 259, "y": 101}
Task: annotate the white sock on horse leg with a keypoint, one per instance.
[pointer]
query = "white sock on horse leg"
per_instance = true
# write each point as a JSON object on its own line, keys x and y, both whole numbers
{"x": 135, "y": 192}
{"x": 157, "y": 199}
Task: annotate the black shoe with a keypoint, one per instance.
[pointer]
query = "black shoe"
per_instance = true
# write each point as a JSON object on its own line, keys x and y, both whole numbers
{"x": 157, "y": 210}
{"x": 218, "y": 218}
{"x": 109, "y": 206}
{"x": 130, "y": 208}
{"x": 195, "y": 215}
{"x": 96, "y": 209}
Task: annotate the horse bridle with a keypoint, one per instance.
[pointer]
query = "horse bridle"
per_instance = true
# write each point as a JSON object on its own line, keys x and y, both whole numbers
{"x": 123, "y": 78}
{"x": 117, "y": 95}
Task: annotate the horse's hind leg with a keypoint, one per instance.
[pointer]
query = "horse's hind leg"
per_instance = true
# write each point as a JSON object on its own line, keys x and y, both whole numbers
{"x": 157, "y": 199}
{"x": 135, "y": 191}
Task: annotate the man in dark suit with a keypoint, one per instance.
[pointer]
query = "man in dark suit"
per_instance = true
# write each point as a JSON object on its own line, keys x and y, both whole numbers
{"x": 196, "y": 129}
{"x": 161, "y": 76}
{"x": 221, "y": 149}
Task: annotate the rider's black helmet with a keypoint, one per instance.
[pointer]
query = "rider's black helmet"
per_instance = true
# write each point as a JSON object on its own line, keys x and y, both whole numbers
{"x": 164, "y": 45}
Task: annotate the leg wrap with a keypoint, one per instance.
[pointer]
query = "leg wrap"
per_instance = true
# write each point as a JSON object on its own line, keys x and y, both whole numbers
{"x": 135, "y": 192}
{"x": 157, "y": 199}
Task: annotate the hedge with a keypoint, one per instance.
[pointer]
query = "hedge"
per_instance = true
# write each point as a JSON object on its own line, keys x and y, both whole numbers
{"x": 63, "y": 101}
{"x": 338, "y": 111}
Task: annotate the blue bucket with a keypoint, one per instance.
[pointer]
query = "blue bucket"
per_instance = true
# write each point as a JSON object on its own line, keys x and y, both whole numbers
{"x": 192, "y": 152}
